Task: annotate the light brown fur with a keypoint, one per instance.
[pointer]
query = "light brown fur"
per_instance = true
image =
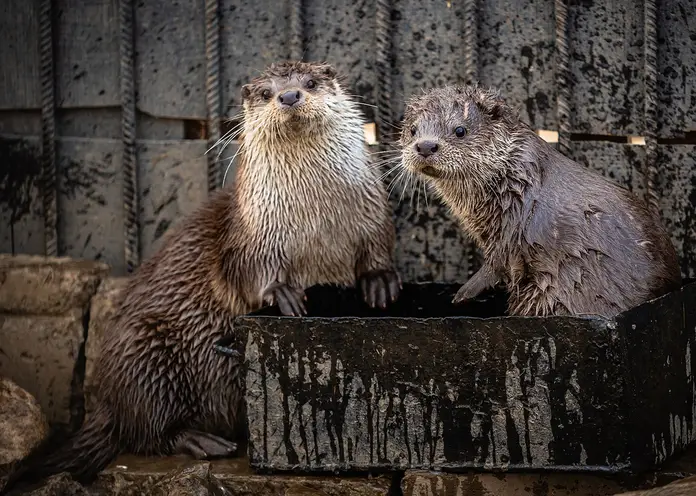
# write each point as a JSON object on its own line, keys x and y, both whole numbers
{"x": 563, "y": 238}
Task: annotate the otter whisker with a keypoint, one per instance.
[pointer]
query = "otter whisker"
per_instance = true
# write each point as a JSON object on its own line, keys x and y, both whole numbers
{"x": 425, "y": 194}
{"x": 413, "y": 182}
{"x": 378, "y": 165}
{"x": 409, "y": 179}
{"x": 220, "y": 140}
{"x": 382, "y": 152}
{"x": 398, "y": 179}
{"x": 227, "y": 138}
{"x": 224, "y": 177}
{"x": 382, "y": 177}
{"x": 386, "y": 173}
{"x": 364, "y": 104}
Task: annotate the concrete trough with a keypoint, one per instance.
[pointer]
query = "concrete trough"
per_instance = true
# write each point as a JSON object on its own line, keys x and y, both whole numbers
{"x": 426, "y": 385}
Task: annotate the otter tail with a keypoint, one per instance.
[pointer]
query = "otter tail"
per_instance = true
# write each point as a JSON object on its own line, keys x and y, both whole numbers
{"x": 83, "y": 454}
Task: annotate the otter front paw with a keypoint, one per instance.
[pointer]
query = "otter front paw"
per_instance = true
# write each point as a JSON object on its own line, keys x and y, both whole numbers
{"x": 290, "y": 300}
{"x": 466, "y": 292}
{"x": 380, "y": 287}
{"x": 484, "y": 278}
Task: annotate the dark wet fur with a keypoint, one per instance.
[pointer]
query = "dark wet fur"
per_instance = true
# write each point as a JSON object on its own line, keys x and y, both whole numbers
{"x": 563, "y": 238}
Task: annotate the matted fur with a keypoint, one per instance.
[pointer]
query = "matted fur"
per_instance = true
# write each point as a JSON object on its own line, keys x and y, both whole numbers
{"x": 563, "y": 238}
{"x": 305, "y": 209}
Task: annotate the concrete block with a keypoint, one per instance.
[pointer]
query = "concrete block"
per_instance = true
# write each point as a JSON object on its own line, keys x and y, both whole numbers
{"x": 102, "y": 308}
{"x": 35, "y": 285}
{"x": 40, "y": 353}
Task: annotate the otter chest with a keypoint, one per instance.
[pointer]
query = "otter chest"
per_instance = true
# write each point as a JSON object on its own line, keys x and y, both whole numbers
{"x": 312, "y": 219}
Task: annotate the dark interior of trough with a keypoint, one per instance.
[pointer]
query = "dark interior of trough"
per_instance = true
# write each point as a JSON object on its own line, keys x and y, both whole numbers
{"x": 416, "y": 301}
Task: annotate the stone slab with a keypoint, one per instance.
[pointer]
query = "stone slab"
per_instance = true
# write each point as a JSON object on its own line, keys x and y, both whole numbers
{"x": 684, "y": 487}
{"x": 103, "y": 306}
{"x": 35, "y": 285}
{"x": 424, "y": 387}
{"x": 422, "y": 483}
{"x": 238, "y": 479}
{"x": 39, "y": 353}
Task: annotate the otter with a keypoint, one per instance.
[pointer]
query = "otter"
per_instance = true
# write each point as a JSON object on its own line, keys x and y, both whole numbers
{"x": 305, "y": 209}
{"x": 562, "y": 239}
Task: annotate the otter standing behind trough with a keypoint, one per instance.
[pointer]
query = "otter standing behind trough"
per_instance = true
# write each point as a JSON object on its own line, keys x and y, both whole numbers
{"x": 564, "y": 239}
{"x": 305, "y": 209}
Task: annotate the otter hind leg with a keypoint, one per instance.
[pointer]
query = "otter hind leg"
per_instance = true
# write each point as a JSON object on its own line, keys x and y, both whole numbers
{"x": 203, "y": 446}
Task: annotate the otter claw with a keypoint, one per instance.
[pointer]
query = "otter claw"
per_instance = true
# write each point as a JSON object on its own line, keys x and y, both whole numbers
{"x": 290, "y": 301}
{"x": 380, "y": 287}
{"x": 466, "y": 292}
{"x": 462, "y": 295}
{"x": 204, "y": 446}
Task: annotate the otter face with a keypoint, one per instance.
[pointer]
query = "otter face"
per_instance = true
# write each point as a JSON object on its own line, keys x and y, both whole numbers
{"x": 452, "y": 132}
{"x": 290, "y": 92}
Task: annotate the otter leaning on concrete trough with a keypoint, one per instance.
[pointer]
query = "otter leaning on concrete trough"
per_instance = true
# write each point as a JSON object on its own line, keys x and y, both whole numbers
{"x": 305, "y": 209}
{"x": 563, "y": 239}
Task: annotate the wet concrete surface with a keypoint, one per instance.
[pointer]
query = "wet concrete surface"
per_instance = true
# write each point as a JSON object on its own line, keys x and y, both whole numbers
{"x": 238, "y": 478}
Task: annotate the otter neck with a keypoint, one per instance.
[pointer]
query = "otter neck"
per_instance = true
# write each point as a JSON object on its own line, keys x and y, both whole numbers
{"x": 299, "y": 176}
{"x": 491, "y": 208}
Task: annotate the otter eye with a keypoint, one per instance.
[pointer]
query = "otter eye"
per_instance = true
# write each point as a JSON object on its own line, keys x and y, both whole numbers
{"x": 460, "y": 131}
{"x": 266, "y": 94}
{"x": 311, "y": 84}
{"x": 413, "y": 130}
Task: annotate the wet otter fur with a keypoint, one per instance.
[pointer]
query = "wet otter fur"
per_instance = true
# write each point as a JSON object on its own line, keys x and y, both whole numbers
{"x": 305, "y": 209}
{"x": 561, "y": 237}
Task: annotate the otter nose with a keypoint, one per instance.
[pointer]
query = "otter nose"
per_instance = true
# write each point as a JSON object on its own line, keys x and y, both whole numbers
{"x": 289, "y": 98}
{"x": 426, "y": 148}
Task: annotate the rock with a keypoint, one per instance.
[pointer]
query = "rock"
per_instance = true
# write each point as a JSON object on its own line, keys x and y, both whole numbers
{"x": 684, "y": 487}
{"x": 22, "y": 423}
{"x": 422, "y": 483}
{"x": 47, "y": 285}
{"x": 134, "y": 475}
{"x": 102, "y": 308}
{"x": 59, "y": 485}
{"x": 39, "y": 353}
{"x": 195, "y": 480}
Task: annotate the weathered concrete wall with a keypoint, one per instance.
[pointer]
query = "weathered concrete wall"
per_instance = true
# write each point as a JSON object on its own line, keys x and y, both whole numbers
{"x": 513, "y": 45}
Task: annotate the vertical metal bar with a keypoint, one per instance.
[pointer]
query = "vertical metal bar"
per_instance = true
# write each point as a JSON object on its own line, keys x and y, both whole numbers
{"x": 470, "y": 76}
{"x": 384, "y": 69}
{"x": 128, "y": 130}
{"x": 650, "y": 99}
{"x": 562, "y": 76}
{"x": 48, "y": 129}
{"x": 297, "y": 30}
{"x": 212, "y": 56}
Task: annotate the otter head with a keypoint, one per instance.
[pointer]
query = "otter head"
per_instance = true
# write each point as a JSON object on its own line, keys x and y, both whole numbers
{"x": 456, "y": 133}
{"x": 290, "y": 94}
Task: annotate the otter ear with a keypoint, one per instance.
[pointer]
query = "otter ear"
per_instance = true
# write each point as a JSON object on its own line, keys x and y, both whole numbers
{"x": 497, "y": 110}
{"x": 328, "y": 71}
{"x": 493, "y": 107}
{"x": 246, "y": 91}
